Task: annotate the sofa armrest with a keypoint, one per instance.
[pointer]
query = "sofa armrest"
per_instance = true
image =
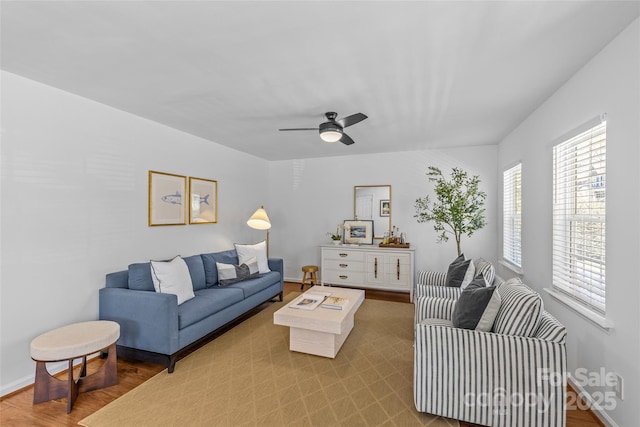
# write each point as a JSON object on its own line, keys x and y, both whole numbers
{"x": 482, "y": 372}
{"x": 148, "y": 320}
{"x": 437, "y": 291}
{"x": 432, "y": 278}
{"x": 428, "y": 308}
{"x": 277, "y": 264}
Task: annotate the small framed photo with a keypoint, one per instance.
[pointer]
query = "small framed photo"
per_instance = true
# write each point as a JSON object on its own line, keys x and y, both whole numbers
{"x": 358, "y": 232}
{"x": 166, "y": 198}
{"x": 203, "y": 197}
{"x": 385, "y": 207}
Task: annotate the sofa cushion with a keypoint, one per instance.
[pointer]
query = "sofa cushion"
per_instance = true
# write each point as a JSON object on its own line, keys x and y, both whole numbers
{"x": 196, "y": 270}
{"x": 485, "y": 268}
{"x": 206, "y": 302}
{"x": 231, "y": 273}
{"x": 253, "y": 286}
{"x": 140, "y": 277}
{"x": 460, "y": 272}
{"x": 172, "y": 277}
{"x": 520, "y": 309}
{"x": 209, "y": 261}
{"x": 477, "y": 306}
{"x": 259, "y": 251}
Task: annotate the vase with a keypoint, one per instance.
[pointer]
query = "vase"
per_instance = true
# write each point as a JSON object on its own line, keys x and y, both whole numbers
{"x": 336, "y": 242}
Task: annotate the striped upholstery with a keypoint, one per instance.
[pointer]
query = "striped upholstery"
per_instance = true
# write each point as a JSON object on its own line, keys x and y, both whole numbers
{"x": 520, "y": 310}
{"x": 433, "y": 278}
{"x": 434, "y": 283}
{"x": 437, "y": 291}
{"x": 482, "y": 377}
{"x": 438, "y": 308}
{"x": 486, "y": 269}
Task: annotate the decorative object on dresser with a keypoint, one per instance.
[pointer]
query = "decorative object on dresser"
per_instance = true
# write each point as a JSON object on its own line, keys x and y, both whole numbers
{"x": 203, "y": 201}
{"x": 390, "y": 269}
{"x": 373, "y": 202}
{"x": 458, "y": 209}
{"x": 337, "y": 236}
{"x": 358, "y": 232}
{"x": 166, "y": 194}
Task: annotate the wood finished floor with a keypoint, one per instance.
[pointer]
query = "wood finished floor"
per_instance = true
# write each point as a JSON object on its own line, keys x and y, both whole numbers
{"x": 17, "y": 409}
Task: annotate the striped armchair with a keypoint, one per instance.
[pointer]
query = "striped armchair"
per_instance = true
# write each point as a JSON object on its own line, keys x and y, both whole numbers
{"x": 489, "y": 378}
{"x": 434, "y": 284}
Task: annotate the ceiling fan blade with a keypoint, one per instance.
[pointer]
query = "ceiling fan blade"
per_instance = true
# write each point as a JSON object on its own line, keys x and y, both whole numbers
{"x": 351, "y": 120}
{"x": 346, "y": 140}
{"x": 298, "y": 129}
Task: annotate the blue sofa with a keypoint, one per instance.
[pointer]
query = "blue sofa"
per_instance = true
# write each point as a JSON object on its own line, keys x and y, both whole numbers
{"x": 153, "y": 327}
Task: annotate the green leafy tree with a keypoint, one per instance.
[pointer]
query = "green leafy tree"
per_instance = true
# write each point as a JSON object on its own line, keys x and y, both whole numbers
{"x": 458, "y": 209}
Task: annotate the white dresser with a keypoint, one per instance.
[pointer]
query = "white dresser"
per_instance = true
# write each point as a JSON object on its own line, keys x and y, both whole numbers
{"x": 367, "y": 267}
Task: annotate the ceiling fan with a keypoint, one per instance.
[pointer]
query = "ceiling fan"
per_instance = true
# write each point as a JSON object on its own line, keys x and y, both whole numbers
{"x": 332, "y": 129}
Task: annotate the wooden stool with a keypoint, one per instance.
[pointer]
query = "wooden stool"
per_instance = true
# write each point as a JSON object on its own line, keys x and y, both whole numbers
{"x": 311, "y": 270}
{"x": 73, "y": 342}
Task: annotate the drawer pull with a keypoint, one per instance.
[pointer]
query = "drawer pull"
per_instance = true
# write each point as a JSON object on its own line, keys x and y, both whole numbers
{"x": 375, "y": 267}
{"x": 342, "y": 276}
{"x": 343, "y": 255}
{"x": 344, "y": 265}
{"x": 398, "y": 269}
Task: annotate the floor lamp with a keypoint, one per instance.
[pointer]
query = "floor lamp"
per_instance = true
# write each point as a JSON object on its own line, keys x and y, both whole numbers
{"x": 260, "y": 221}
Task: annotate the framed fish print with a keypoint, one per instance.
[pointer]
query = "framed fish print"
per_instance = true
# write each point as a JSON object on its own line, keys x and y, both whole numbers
{"x": 203, "y": 198}
{"x": 166, "y": 199}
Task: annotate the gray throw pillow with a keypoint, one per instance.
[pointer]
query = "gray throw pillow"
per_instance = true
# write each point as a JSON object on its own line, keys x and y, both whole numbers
{"x": 230, "y": 273}
{"x": 477, "y": 306}
{"x": 460, "y": 273}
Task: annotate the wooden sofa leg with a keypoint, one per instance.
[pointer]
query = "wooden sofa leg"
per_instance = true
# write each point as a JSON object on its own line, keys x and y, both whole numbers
{"x": 172, "y": 364}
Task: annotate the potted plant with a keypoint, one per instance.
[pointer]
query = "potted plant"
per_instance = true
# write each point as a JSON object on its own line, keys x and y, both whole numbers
{"x": 458, "y": 209}
{"x": 336, "y": 237}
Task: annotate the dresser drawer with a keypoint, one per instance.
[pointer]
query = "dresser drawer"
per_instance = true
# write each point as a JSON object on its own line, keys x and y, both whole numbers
{"x": 337, "y": 277}
{"x": 343, "y": 254}
{"x": 343, "y": 265}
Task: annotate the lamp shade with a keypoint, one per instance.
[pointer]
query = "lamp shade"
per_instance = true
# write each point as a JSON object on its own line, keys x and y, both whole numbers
{"x": 259, "y": 220}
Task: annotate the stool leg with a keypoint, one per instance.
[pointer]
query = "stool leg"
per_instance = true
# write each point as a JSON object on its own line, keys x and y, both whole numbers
{"x": 47, "y": 387}
{"x": 106, "y": 376}
{"x": 72, "y": 387}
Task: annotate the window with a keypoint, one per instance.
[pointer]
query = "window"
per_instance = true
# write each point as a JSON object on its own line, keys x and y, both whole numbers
{"x": 512, "y": 215}
{"x": 579, "y": 198}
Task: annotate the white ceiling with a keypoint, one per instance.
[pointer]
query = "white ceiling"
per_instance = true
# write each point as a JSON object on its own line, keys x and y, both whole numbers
{"x": 428, "y": 74}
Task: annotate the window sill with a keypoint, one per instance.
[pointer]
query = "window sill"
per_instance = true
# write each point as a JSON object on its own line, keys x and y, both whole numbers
{"x": 511, "y": 266}
{"x": 599, "y": 320}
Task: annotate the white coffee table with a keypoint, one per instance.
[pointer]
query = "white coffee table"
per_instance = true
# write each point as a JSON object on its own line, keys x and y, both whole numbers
{"x": 321, "y": 331}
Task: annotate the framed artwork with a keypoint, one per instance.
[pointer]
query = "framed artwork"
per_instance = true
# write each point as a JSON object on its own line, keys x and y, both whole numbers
{"x": 203, "y": 197}
{"x": 166, "y": 199}
{"x": 358, "y": 232}
{"x": 385, "y": 207}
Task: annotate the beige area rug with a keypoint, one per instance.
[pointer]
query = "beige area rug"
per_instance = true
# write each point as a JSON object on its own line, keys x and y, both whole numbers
{"x": 248, "y": 377}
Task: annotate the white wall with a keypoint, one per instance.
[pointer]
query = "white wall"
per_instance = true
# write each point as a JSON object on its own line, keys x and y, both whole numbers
{"x": 310, "y": 197}
{"x": 609, "y": 83}
{"x": 74, "y": 207}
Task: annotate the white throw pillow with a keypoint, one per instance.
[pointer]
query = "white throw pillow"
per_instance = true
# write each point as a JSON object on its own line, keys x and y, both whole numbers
{"x": 259, "y": 251}
{"x": 172, "y": 277}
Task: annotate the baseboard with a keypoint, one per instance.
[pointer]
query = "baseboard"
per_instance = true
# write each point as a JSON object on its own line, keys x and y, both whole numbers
{"x": 595, "y": 408}
{"x": 26, "y": 382}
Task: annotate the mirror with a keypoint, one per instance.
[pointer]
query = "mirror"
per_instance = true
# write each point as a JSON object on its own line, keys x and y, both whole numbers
{"x": 373, "y": 202}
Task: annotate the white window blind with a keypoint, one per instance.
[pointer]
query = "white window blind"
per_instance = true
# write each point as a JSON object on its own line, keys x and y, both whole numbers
{"x": 579, "y": 221}
{"x": 512, "y": 215}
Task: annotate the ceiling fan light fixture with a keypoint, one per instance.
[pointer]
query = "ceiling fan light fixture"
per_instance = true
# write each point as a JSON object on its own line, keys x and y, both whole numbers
{"x": 330, "y": 136}
{"x": 330, "y": 132}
